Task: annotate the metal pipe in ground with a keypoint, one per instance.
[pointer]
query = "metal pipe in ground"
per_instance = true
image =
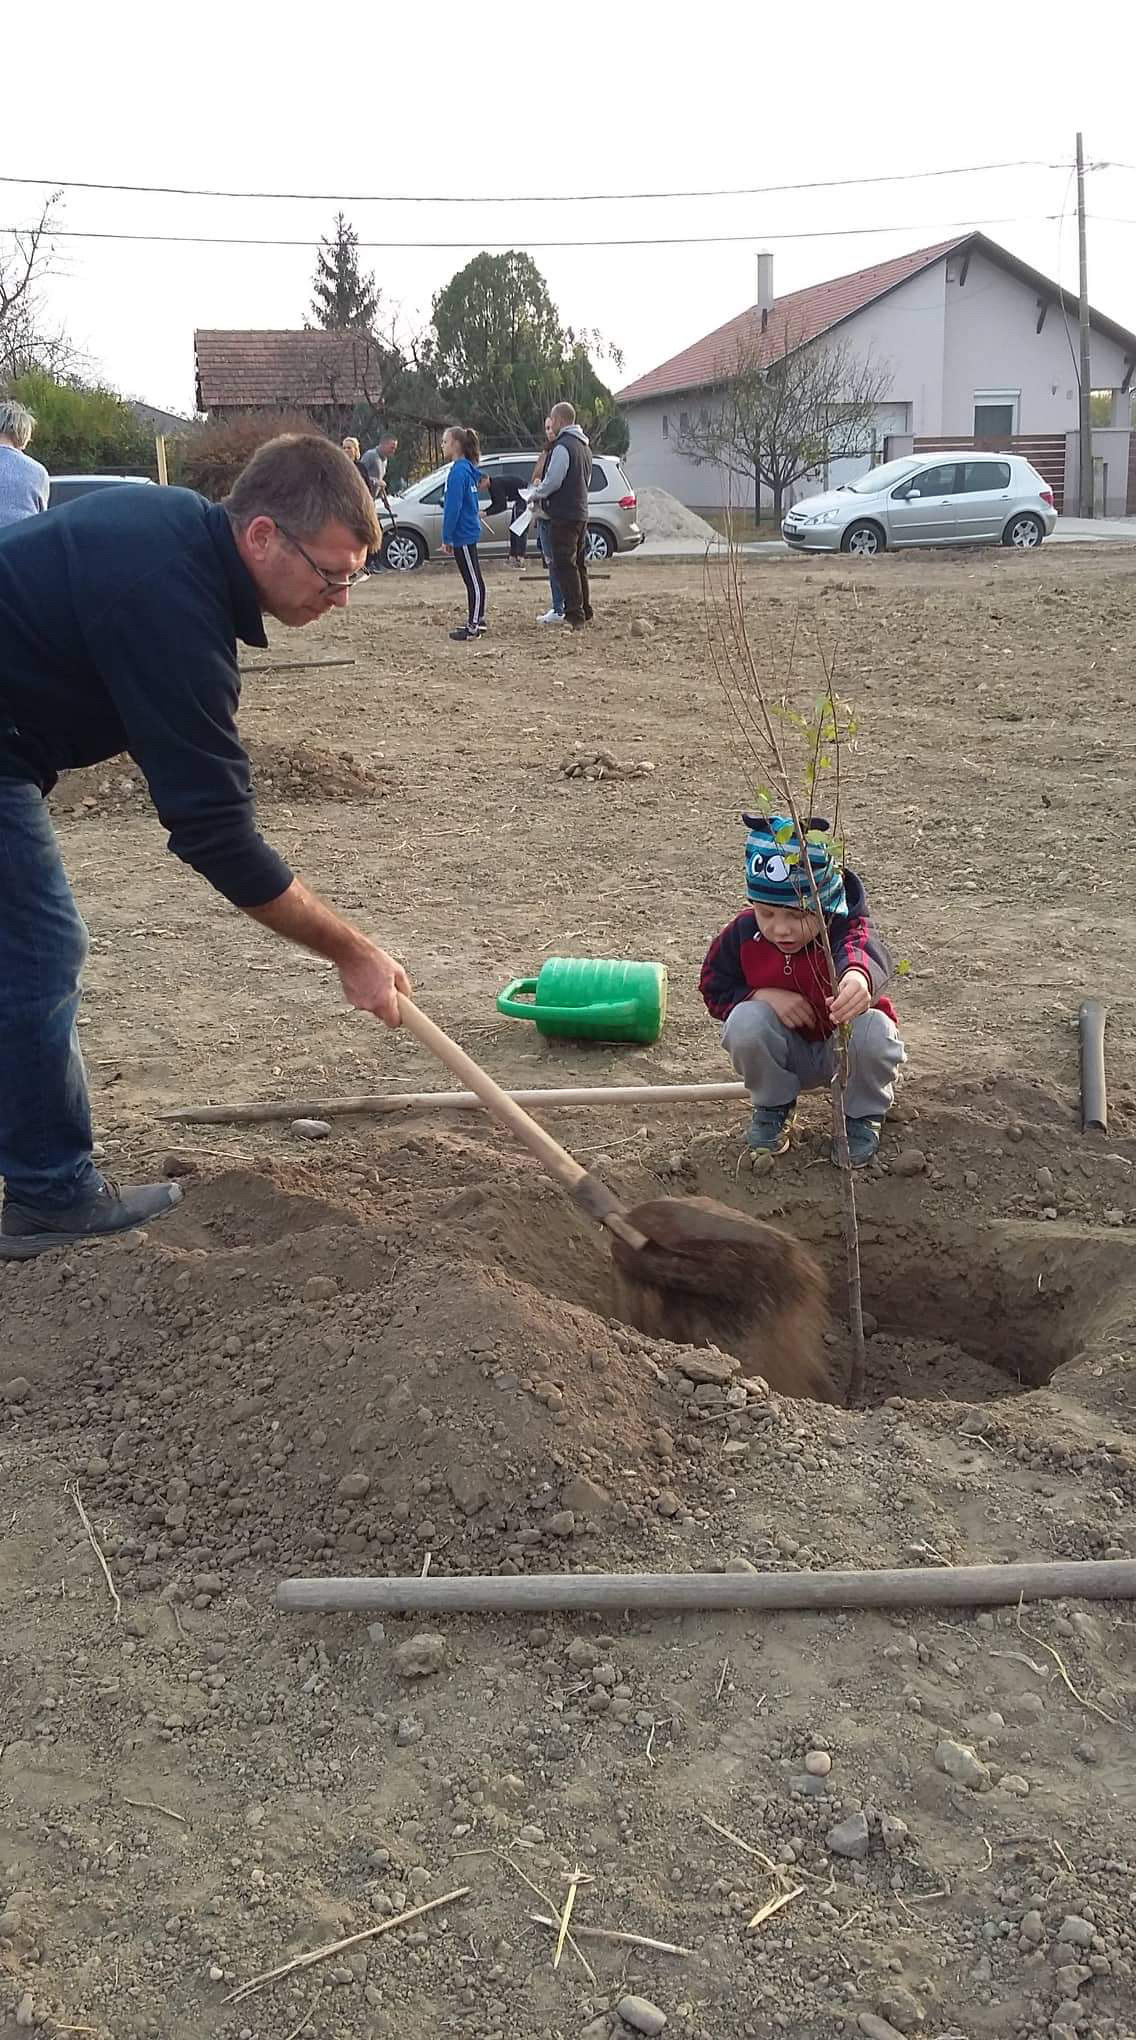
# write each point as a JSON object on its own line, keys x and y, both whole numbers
{"x": 949, "y": 1586}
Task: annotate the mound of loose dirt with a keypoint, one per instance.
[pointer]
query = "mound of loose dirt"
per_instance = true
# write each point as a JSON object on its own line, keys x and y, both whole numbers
{"x": 288, "y": 772}
{"x": 306, "y": 771}
{"x": 661, "y": 515}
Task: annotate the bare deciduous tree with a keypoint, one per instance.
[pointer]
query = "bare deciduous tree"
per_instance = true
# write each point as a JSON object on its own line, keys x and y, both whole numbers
{"x": 28, "y": 342}
{"x": 784, "y": 409}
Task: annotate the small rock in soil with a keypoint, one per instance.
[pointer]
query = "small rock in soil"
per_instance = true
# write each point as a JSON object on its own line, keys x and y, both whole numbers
{"x": 641, "y": 2015}
{"x": 420, "y": 1655}
{"x": 893, "y": 1832}
{"x": 1076, "y": 1932}
{"x": 668, "y": 1503}
{"x": 320, "y": 1289}
{"x": 17, "y": 1390}
{"x": 818, "y": 1763}
{"x": 563, "y": 1523}
{"x": 585, "y": 1497}
{"x": 849, "y": 1838}
{"x": 408, "y": 1731}
{"x": 962, "y": 1764}
{"x": 581, "y": 1652}
{"x": 178, "y": 1165}
{"x": 311, "y": 1129}
{"x": 878, "y": 2029}
{"x": 353, "y": 1486}
{"x": 904, "y": 2011}
{"x": 25, "y": 2011}
{"x": 710, "y": 1369}
{"x": 909, "y": 1162}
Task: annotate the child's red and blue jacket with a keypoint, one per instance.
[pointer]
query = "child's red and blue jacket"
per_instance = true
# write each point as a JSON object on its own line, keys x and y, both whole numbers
{"x": 739, "y": 962}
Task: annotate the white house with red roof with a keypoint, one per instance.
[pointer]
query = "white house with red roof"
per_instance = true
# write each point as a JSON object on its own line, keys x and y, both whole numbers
{"x": 977, "y": 347}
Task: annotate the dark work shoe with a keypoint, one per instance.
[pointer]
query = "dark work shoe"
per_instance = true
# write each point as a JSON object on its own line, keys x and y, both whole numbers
{"x": 25, "y": 1232}
{"x": 770, "y": 1128}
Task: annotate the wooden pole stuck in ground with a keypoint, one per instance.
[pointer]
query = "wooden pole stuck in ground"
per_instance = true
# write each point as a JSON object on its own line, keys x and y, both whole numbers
{"x": 453, "y": 1101}
{"x": 948, "y": 1586}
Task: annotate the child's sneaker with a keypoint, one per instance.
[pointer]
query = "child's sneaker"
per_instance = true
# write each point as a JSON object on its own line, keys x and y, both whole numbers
{"x": 863, "y": 1140}
{"x": 468, "y": 634}
{"x": 770, "y": 1127}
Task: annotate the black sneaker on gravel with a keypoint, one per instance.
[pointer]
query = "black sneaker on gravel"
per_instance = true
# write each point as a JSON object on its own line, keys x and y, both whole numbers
{"x": 25, "y": 1233}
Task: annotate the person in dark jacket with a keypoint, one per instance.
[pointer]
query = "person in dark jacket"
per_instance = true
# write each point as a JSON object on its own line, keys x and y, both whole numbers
{"x": 767, "y": 977}
{"x": 120, "y": 616}
{"x": 562, "y": 497}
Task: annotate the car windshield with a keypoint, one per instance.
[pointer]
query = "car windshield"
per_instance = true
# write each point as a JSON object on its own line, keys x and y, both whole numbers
{"x": 426, "y": 482}
{"x": 884, "y": 477}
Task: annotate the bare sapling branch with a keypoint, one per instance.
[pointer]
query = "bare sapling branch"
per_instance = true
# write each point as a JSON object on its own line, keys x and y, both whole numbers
{"x": 797, "y": 757}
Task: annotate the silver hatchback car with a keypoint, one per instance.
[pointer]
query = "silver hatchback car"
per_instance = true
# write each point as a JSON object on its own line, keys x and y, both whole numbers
{"x": 412, "y": 533}
{"x": 964, "y": 498}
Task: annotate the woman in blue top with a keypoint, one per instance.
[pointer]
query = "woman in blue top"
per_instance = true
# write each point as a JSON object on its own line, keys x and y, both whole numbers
{"x": 461, "y": 521}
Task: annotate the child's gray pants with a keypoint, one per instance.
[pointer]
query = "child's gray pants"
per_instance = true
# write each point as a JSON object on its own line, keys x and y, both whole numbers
{"x": 776, "y": 1062}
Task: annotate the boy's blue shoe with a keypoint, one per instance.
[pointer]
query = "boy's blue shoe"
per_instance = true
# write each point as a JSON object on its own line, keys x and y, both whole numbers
{"x": 863, "y": 1141}
{"x": 770, "y": 1128}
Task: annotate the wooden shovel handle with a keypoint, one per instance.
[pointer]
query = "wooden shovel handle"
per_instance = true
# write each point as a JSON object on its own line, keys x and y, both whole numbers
{"x": 588, "y": 1191}
{"x": 497, "y": 1102}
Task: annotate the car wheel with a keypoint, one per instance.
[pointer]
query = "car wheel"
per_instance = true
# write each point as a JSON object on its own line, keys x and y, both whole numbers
{"x": 403, "y": 551}
{"x": 599, "y": 544}
{"x": 865, "y": 540}
{"x": 1025, "y": 531}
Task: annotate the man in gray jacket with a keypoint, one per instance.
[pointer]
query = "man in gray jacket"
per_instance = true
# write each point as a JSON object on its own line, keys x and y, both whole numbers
{"x": 562, "y": 495}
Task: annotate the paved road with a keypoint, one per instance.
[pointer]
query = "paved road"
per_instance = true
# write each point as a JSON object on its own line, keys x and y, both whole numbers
{"x": 1070, "y": 531}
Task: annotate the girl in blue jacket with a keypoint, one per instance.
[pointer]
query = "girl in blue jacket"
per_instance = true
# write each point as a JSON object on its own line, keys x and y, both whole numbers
{"x": 461, "y": 521}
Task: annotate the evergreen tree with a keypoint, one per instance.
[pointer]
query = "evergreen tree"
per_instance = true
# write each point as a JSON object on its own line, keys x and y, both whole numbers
{"x": 343, "y": 299}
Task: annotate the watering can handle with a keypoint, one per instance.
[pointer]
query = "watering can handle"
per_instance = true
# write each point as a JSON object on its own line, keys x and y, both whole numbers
{"x": 510, "y": 1000}
{"x": 524, "y": 1007}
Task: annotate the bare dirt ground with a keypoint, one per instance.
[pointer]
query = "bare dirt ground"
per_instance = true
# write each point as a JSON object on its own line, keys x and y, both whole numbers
{"x": 347, "y": 1358}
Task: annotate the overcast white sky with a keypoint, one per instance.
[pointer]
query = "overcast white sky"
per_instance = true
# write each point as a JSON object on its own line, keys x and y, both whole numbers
{"x": 626, "y": 98}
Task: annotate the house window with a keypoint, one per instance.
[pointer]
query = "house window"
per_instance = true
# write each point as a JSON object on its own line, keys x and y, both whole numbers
{"x": 995, "y": 413}
{"x": 684, "y": 421}
{"x": 666, "y": 426}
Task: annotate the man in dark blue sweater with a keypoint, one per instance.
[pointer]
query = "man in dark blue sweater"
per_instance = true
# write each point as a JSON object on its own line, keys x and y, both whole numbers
{"x": 119, "y": 621}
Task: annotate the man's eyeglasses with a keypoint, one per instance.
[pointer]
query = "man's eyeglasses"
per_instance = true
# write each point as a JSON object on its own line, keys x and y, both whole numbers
{"x": 335, "y": 583}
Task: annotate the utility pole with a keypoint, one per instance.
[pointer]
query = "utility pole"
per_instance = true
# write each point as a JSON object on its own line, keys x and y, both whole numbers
{"x": 1085, "y": 408}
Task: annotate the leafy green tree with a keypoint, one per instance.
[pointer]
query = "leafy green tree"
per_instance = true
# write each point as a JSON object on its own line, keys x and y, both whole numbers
{"x": 500, "y": 355}
{"x": 343, "y": 297}
{"x": 83, "y": 430}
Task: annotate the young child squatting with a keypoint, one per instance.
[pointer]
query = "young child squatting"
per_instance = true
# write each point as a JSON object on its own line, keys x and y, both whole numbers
{"x": 766, "y": 977}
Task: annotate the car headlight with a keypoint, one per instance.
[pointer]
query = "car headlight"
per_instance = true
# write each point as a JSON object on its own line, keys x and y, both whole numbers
{"x": 824, "y": 517}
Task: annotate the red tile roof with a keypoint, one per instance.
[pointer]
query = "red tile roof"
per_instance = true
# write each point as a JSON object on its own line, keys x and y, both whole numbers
{"x": 257, "y": 370}
{"x": 801, "y": 316}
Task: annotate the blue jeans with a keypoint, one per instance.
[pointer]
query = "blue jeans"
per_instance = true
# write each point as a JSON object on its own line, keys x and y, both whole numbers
{"x": 45, "y": 1113}
{"x": 544, "y": 539}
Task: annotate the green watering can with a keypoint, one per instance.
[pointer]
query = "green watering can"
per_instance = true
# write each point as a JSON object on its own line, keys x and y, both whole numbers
{"x": 591, "y": 998}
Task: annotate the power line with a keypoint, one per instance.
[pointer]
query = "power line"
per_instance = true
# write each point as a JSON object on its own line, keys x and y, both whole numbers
{"x": 522, "y": 197}
{"x": 504, "y": 247}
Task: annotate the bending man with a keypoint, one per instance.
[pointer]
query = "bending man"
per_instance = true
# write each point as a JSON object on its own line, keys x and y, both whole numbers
{"x": 119, "y": 618}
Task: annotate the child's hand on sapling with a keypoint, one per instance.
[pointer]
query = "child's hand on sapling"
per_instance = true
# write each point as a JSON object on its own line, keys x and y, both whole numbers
{"x": 853, "y": 997}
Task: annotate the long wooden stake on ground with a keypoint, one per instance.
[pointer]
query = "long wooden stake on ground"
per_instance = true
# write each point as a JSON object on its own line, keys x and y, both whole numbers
{"x": 949, "y": 1586}
{"x": 367, "y": 1102}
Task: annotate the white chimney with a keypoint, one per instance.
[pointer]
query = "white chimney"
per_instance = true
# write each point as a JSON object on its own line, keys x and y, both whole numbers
{"x": 764, "y": 285}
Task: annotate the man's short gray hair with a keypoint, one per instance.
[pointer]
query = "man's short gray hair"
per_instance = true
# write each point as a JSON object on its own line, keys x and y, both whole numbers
{"x": 16, "y": 422}
{"x": 563, "y": 414}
